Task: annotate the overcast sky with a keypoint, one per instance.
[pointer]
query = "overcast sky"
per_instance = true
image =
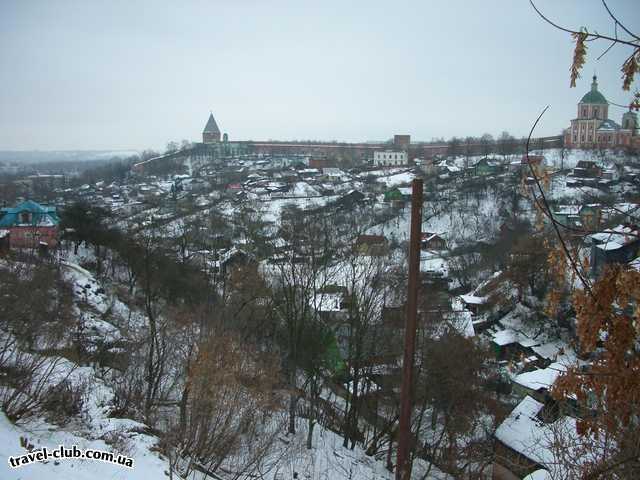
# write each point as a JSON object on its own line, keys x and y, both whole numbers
{"x": 135, "y": 74}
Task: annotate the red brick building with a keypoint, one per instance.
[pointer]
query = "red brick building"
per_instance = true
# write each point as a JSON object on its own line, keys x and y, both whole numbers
{"x": 30, "y": 225}
{"x": 593, "y": 128}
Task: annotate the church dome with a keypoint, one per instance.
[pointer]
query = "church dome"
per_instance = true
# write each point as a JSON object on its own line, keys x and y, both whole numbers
{"x": 594, "y": 96}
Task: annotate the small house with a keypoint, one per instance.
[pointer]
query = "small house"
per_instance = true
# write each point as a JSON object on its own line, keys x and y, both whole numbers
{"x": 350, "y": 200}
{"x": 393, "y": 195}
{"x": 587, "y": 169}
{"x": 590, "y": 216}
{"x": 617, "y": 245}
{"x": 474, "y": 303}
{"x": 372, "y": 245}
{"x": 432, "y": 241}
{"x": 538, "y": 383}
{"x": 30, "y": 225}
{"x": 520, "y": 447}
{"x": 486, "y": 166}
{"x": 568, "y": 215}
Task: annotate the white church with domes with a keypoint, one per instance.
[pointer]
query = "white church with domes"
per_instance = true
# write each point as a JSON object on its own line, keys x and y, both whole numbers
{"x": 593, "y": 128}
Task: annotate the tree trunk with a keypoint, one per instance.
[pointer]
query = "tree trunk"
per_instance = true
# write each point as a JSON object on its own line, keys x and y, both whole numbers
{"x": 150, "y": 360}
{"x": 184, "y": 399}
{"x": 293, "y": 400}
{"x": 389, "y": 453}
{"x": 98, "y": 260}
{"x": 312, "y": 424}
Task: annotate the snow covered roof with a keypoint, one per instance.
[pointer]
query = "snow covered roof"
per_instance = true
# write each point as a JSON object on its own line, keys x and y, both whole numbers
{"x": 549, "y": 350}
{"x": 541, "y": 474}
{"x": 524, "y": 432}
{"x": 461, "y": 319}
{"x": 473, "y": 300}
{"x": 615, "y": 238}
{"x": 567, "y": 210}
{"x": 303, "y": 189}
{"x": 520, "y": 426}
{"x": 433, "y": 263}
{"x": 397, "y": 179}
{"x": 328, "y": 302}
{"x": 428, "y": 236}
{"x": 508, "y": 336}
{"x": 515, "y": 330}
{"x": 542, "y": 378}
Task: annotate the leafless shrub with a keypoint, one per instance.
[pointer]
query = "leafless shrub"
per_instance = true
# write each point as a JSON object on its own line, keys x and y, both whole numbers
{"x": 35, "y": 304}
{"x": 118, "y": 439}
{"x": 230, "y": 417}
{"x": 128, "y": 385}
{"x": 64, "y": 400}
{"x": 25, "y": 383}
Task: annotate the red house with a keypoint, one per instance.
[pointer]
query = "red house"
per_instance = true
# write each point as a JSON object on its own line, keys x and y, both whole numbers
{"x": 30, "y": 225}
{"x": 432, "y": 241}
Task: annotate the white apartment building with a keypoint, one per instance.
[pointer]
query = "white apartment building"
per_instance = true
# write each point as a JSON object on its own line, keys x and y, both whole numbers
{"x": 389, "y": 158}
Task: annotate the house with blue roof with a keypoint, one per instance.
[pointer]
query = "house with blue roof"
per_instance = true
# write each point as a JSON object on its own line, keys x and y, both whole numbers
{"x": 30, "y": 225}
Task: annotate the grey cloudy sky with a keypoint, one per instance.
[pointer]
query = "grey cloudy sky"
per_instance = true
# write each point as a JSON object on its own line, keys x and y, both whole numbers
{"x": 134, "y": 74}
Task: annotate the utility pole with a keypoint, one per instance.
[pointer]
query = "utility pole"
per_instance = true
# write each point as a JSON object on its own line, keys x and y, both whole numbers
{"x": 403, "y": 466}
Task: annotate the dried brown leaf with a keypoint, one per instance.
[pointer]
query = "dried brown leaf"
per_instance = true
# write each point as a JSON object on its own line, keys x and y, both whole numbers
{"x": 629, "y": 69}
{"x": 579, "y": 55}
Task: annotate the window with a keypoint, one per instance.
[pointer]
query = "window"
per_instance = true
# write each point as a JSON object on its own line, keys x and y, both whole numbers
{"x": 584, "y": 112}
{"x": 25, "y": 217}
{"x": 595, "y": 112}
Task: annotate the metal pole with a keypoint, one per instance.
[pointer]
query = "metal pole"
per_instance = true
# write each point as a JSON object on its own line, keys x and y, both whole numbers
{"x": 403, "y": 467}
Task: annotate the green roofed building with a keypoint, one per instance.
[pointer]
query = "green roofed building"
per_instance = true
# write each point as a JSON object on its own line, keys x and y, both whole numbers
{"x": 593, "y": 128}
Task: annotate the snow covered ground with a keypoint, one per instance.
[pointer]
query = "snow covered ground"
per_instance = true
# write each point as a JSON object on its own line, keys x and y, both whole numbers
{"x": 38, "y": 433}
{"x": 92, "y": 428}
{"x": 397, "y": 179}
{"x": 459, "y": 223}
{"x": 329, "y": 460}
